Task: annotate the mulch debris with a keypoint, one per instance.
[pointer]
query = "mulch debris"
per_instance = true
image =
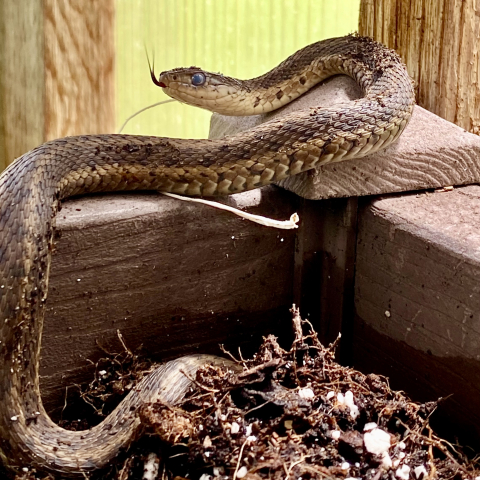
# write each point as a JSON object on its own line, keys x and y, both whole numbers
{"x": 288, "y": 414}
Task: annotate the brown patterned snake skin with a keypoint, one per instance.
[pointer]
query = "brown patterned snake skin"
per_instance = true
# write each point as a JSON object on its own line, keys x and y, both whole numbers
{"x": 33, "y": 186}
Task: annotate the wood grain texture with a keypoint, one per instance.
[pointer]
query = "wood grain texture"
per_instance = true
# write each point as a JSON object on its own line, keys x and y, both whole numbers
{"x": 79, "y": 67}
{"x": 22, "y": 88}
{"x": 56, "y": 72}
{"x": 172, "y": 276}
{"x": 430, "y": 153}
{"x": 417, "y": 297}
{"x": 418, "y": 257}
{"x": 439, "y": 42}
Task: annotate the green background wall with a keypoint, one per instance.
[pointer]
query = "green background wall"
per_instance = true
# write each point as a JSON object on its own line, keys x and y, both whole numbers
{"x": 242, "y": 38}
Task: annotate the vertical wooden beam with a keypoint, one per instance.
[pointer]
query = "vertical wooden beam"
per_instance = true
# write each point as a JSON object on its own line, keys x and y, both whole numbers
{"x": 439, "y": 40}
{"x": 325, "y": 265}
{"x": 79, "y": 67}
{"x": 56, "y": 71}
{"x": 22, "y": 87}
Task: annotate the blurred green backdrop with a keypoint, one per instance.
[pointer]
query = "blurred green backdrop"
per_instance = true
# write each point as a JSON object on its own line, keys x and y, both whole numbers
{"x": 241, "y": 38}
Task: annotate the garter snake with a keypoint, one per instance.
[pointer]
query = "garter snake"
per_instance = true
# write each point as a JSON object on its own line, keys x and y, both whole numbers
{"x": 33, "y": 186}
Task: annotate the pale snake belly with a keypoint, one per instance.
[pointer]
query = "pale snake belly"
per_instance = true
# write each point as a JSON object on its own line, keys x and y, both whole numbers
{"x": 32, "y": 187}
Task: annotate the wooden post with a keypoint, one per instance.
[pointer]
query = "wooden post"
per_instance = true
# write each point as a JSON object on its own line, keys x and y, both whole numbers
{"x": 56, "y": 72}
{"x": 21, "y": 78}
{"x": 439, "y": 41}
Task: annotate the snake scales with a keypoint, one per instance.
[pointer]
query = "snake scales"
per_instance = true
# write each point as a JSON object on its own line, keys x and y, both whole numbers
{"x": 32, "y": 187}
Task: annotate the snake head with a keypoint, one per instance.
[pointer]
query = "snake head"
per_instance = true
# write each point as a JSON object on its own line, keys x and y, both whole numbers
{"x": 192, "y": 85}
{"x": 182, "y": 79}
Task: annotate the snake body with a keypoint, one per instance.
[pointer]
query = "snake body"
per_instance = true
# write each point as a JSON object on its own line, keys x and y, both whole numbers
{"x": 32, "y": 188}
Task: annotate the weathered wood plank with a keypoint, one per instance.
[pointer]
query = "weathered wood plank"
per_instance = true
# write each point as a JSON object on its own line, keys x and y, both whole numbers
{"x": 172, "y": 276}
{"x": 417, "y": 298}
{"x": 430, "y": 153}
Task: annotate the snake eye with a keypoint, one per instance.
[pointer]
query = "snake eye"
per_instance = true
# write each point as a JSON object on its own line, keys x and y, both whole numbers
{"x": 198, "y": 79}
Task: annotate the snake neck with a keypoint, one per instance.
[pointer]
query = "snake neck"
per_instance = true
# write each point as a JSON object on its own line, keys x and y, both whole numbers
{"x": 358, "y": 57}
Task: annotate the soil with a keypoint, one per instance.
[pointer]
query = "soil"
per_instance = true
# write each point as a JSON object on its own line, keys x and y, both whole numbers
{"x": 284, "y": 414}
